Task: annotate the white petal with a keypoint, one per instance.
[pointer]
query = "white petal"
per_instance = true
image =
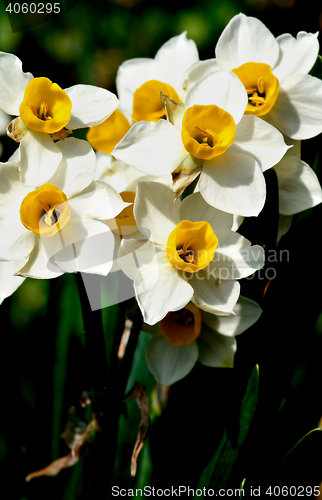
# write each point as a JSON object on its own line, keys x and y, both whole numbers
{"x": 135, "y": 254}
{"x": 4, "y": 122}
{"x": 298, "y": 186}
{"x": 159, "y": 287}
{"x": 116, "y": 173}
{"x": 214, "y": 295}
{"x": 132, "y": 74}
{"x": 216, "y": 350}
{"x": 176, "y": 56}
{"x": 247, "y": 312}
{"x": 297, "y": 55}
{"x": 236, "y": 258}
{"x": 92, "y": 253}
{"x": 15, "y": 157}
{"x": 97, "y": 201}
{"x": 13, "y": 83}
{"x": 224, "y": 89}
{"x": 8, "y": 282}
{"x": 298, "y": 108}
{"x": 238, "y": 220}
{"x": 170, "y": 293}
{"x": 246, "y": 39}
{"x": 199, "y": 71}
{"x": 170, "y": 363}
{"x": 39, "y": 158}
{"x": 90, "y": 105}
{"x": 259, "y": 139}
{"x": 38, "y": 265}
{"x": 233, "y": 183}
{"x": 195, "y": 208}
{"x": 117, "y": 248}
{"x": 153, "y": 148}
{"x": 16, "y": 241}
{"x": 155, "y": 211}
{"x": 77, "y": 169}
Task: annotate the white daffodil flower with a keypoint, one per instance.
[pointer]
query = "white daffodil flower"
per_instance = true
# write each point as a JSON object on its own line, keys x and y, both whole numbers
{"x": 8, "y": 281}
{"x": 210, "y": 135}
{"x": 189, "y": 335}
{"x": 274, "y": 72}
{"x": 190, "y": 254}
{"x": 59, "y": 225}
{"x": 46, "y": 110}
{"x": 139, "y": 81}
{"x": 298, "y": 185}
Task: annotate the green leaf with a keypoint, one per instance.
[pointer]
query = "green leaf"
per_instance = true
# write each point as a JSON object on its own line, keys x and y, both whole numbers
{"x": 218, "y": 472}
{"x": 302, "y": 465}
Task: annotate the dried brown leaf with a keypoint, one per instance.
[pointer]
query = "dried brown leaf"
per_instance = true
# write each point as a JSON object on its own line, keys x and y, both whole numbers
{"x": 142, "y": 401}
{"x": 182, "y": 180}
{"x": 76, "y": 442}
{"x": 124, "y": 339}
{"x": 55, "y": 467}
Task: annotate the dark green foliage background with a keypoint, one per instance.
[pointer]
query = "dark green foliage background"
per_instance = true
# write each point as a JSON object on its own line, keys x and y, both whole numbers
{"x": 44, "y": 362}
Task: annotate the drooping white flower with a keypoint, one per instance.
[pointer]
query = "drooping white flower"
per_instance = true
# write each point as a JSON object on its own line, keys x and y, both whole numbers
{"x": 189, "y": 335}
{"x": 190, "y": 254}
{"x": 274, "y": 72}
{"x": 298, "y": 185}
{"x": 45, "y": 109}
{"x": 59, "y": 226}
{"x": 210, "y": 135}
{"x": 139, "y": 81}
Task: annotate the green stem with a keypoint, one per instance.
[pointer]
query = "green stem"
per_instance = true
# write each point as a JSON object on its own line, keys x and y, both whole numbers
{"x": 109, "y": 381}
{"x": 94, "y": 339}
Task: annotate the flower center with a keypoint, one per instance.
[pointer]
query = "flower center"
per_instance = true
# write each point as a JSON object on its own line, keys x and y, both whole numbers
{"x": 261, "y": 86}
{"x": 45, "y": 106}
{"x": 191, "y": 246}
{"x": 147, "y": 104}
{"x": 182, "y": 327}
{"x": 207, "y": 131}
{"x": 105, "y": 136}
{"x": 45, "y": 211}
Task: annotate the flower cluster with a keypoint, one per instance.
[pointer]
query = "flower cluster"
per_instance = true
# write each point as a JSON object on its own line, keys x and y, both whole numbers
{"x": 179, "y": 163}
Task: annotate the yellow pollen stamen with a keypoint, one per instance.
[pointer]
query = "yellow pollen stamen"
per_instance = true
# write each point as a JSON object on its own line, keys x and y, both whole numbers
{"x": 43, "y": 111}
{"x": 45, "y": 211}
{"x": 191, "y": 246}
{"x": 207, "y": 131}
{"x": 185, "y": 253}
{"x": 255, "y": 98}
{"x": 261, "y": 86}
